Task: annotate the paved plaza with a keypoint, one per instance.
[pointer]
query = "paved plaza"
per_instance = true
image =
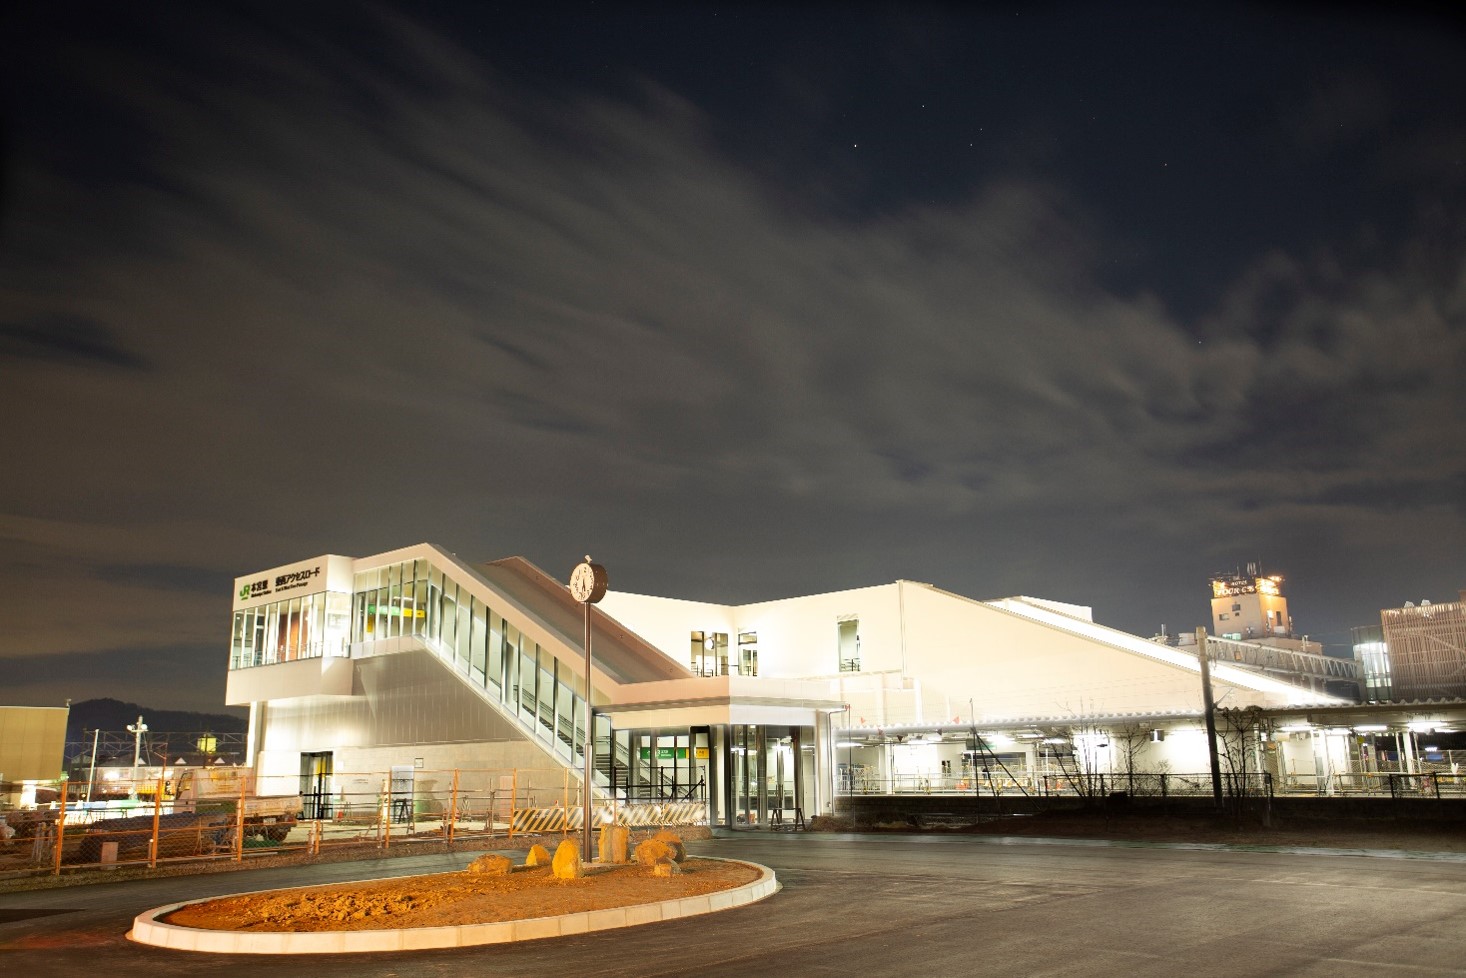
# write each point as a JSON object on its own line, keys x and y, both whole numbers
{"x": 880, "y": 905}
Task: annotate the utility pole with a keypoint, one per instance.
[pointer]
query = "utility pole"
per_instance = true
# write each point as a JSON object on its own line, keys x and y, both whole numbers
{"x": 1210, "y": 706}
{"x": 92, "y": 774}
{"x": 972, "y": 764}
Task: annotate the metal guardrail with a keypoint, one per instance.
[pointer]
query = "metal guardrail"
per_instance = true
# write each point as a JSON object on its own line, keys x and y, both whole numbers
{"x": 1383, "y": 784}
{"x": 370, "y": 809}
{"x": 1059, "y": 784}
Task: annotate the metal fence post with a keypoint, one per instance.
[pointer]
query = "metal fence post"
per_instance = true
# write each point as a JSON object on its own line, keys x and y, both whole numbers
{"x": 453, "y": 808}
{"x": 61, "y": 826}
{"x": 157, "y": 819}
{"x": 513, "y": 801}
{"x": 385, "y": 812}
{"x": 239, "y": 819}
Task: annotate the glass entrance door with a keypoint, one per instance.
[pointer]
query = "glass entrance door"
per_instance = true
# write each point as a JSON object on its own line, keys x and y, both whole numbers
{"x": 315, "y": 784}
{"x": 665, "y": 765}
{"x": 767, "y": 774}
{"x": 746, "y": 773}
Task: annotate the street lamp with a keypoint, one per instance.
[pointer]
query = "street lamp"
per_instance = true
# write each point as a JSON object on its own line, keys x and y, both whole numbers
{"x": 137, "y": 730}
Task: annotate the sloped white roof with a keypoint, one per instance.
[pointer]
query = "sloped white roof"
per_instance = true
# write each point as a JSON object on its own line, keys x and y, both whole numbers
{"x": 1044, "y": 614}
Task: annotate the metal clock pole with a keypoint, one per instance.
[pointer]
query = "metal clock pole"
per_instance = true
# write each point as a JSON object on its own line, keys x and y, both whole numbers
{"x": 590, "y": 747}
{"x": 588, "y": 586}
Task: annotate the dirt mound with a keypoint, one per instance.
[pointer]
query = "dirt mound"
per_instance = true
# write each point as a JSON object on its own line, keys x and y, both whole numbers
{"x": 451, "y": 899}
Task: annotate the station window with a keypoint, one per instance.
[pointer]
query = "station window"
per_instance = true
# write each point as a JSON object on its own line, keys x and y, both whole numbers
{"x": 847, "y": 644}
{"x": 708, "y": 653}
{"x": 748, "y": 653}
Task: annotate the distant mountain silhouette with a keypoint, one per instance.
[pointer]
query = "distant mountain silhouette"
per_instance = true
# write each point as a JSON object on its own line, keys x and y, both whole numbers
{"x": 114, "y": 715}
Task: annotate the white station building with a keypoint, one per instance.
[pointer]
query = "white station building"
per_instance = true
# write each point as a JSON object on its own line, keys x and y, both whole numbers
{"x": 759, "y": 711}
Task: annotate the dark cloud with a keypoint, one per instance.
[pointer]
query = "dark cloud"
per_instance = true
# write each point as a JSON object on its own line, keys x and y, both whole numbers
{"x": 373, "y": 288}
{"x": 186, "y": 677}
{"x": 68, "y": 339}
{"x": 522, "y": 357}
{"x": 169, "y": 577}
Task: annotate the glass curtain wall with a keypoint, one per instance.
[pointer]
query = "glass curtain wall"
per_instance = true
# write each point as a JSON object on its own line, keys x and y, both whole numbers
{"x": 417, "y": 599}
{"x": 306, "y": 627}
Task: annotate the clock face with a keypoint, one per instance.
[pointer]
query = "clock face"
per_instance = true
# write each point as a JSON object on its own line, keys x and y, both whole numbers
{"x": 588, "y": 583}
{"x": 581, "y": 581}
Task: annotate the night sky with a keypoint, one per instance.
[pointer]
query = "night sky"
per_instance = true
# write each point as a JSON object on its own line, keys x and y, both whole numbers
{"x": 745, "y": 302}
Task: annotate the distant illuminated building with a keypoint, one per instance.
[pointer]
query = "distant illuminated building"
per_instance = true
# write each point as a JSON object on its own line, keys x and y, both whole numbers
{"x": 1426, "y": 649}
{"x": 1248, "y": 607}
{"x": 1373, "y": 657}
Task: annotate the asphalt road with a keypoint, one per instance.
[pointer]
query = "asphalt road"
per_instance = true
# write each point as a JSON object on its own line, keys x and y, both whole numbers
{"x": 876, "y": 905}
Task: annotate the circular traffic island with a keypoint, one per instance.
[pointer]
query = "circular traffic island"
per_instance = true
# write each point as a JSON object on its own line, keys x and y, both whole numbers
{"x": 451, "y": 909}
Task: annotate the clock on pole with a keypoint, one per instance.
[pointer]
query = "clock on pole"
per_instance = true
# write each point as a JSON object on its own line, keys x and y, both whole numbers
{"x": 588, "y": 585}
{"x": 588, "y": 582}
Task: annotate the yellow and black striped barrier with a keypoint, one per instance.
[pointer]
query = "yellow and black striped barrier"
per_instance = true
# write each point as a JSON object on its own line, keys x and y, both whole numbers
{"x": 557, "y": 819}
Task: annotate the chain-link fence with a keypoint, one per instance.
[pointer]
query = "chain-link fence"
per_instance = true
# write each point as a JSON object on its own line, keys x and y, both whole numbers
{"x": 1429, "y": 784}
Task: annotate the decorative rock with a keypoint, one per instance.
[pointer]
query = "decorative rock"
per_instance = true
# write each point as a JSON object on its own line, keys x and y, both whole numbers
{"x": 648, "y": 851}
{"x": 538, "y": 855}
{"x": 674, "y": 842}
{"x": 615, "y": 844}
{"x": 567, "y": 861}
{"x": 492, "y": 864}
{"x": 665, "y": 867}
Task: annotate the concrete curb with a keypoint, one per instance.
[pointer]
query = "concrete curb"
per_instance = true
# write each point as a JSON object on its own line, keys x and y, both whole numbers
{"x": 147, "y": 929}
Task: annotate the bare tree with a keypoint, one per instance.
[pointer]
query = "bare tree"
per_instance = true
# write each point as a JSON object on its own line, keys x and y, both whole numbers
{"x": 1080, "y": 764}
{"x": 1129, "y": 742}
{"x": 1238, "y": 730}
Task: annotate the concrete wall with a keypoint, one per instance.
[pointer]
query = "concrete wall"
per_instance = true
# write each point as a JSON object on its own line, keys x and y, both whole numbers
{"x": 667, "y": 623}
{"x": 796, "y": 636}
